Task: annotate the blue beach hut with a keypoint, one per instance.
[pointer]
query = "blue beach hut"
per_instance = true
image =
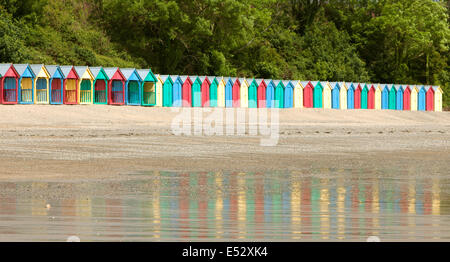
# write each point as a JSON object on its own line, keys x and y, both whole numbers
{"x": 399, "y": 94}
{"x": 385, "y": 96}
{"x": 229, "y": 92}
{"x": 288, "y": 94}
{"x": 335, "y": 95}
{"x": 421, "y": 98}
{"x": 56, "y": 84}
{"x": 176, "y": 91}
{"x": 270, "y": 93}
{"x": 26, "y": 83}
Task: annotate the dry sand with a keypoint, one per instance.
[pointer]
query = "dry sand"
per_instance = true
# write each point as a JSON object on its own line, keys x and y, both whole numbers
{"x": 43, "y": 142}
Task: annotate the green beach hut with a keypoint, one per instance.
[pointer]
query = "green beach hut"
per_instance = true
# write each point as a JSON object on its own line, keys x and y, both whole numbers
{"x": 213, "y": 88}
{"x": 196, "y": 92}
{"x": 279, "y": 93}
{"x": 253, "y": 94}
{"x": 364, "y": 96}
{"x": 392, "y": 97}
{"x": 317, "y": 94}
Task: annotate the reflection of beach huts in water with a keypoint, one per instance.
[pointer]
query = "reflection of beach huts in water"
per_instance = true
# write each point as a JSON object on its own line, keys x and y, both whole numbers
{"x": 100, "y": 90}
{"x": 406, "y": 97}
{"x": 196, "y": 91}
{"x": 422, "y": 99}
{"x": 252, "y": 93}
{"x": 236, "y": 91}
{"x": 392, "y": 97}
{"x": 221, "y": 91}
{"x": 414, "y": 97}
{"x": 41, "y": 83}
{"x": 26, "y": 83}
{"x": 9, "y": 84}
{"x": 243, "y": 93}
{"x": 167, "y": 90}
{"x": 308, "y": 97}
{"x": 177, "y": 90}
{"x": 288, "y": 93}
{"x": 151, "y": 91}
{"x": 261, "y": 92}
{"x": 85, "y": 85}
{"x": 350, "y": 95}
{"x": 335, "y": 94}
{"x": 399, "y": 97}
{"x": 186, "y": 90}
{"x": 116, "y": 86}
{"x": 70, "y": 85}
{"x": 133, "y": 88}
{"x": 279, "y": 94}
{"x": 437, "y": 98}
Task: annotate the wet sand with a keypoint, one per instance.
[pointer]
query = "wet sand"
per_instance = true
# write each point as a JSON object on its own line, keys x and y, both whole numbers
{"x": 71, "y": 143}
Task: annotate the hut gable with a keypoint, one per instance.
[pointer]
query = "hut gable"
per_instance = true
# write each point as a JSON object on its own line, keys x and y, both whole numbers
{"x": 211, "y": 79}
{"x": 146, "y": 75}
{"x": 84, "y": 72}
{"x": 54, "y": 71}
{"x": 98, "y": 73}
{"x": 40, "y": 71}
{"x": 24, "y": 70}
{"x": 114, "y": 73}
{"x": 69, "y": 72}
{"x": 8, "y": 70}
{"x": 130, "y": 74}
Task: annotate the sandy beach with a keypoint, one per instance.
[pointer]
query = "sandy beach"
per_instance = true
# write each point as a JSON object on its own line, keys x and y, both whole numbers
{"x": 43, "y": 142}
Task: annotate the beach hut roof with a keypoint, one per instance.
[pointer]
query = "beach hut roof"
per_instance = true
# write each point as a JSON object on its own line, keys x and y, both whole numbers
{"x": 96, "y": 70}
{"x": 286, "y": 82}
{"x": 276, "y": 82}
{"x": 36, "y": 68}
{"x": 233, "y": 79}
{"x": 202, "y": 78}
{"x": 398, "y": 87}
{"x": 4, "y": 68}
{"x": 165, "y": 77}
{"x": 130, "y": 74}
{"x": 110, "y": 71}
{"x": 259, "y": 81}
{"x": 428, "y": 88}
{"x": 66, "y": 70}
{"x": 53, "y": 69}
{"x": 184, "y": 78}
{"x": 82, "y": 71}
{"x": 333, "y": 85}
{"x": 143, "y": 73}
{"x": 22, "y": 69}
{"x": 304, "y": 83}
{"x": 435, "y": 88}
{"x": 211, "y": 78}
{"x": 241, "y": 80}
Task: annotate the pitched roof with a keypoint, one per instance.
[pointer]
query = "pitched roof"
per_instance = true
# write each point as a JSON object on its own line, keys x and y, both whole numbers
{"x": 165, "y": 77}
{"x": 259, "y": 81}
{"x": 172, "y": 77}
{"x": 80, "y": 70}
{"x": 20, "y": 68}
{"x": 95, "y": 70}
{"x": 184, "y": 78}
{"x": 286, "y": 82}
{"x": 36, "y": 68}
{"x": 276, "y": 82}
{"x": 4, "y": 68}
{"x": 211, "y": 79}
{"x": 304, "y": 83}
{"x": 51, "y": 69}
{"x": 110, "y": 71}
{"x": 128, "y": 72}
{"x": 143, "y": 73}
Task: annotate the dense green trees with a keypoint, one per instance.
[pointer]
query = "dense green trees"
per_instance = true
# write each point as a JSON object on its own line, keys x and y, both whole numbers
{"x": 401, "y": 41}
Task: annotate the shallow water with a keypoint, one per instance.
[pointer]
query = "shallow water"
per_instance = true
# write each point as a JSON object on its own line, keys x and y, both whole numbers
{"x": 276, "y": 206}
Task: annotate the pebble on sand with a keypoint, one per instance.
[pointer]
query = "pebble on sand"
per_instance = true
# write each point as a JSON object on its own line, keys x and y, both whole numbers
{"x": 73, "y": 239}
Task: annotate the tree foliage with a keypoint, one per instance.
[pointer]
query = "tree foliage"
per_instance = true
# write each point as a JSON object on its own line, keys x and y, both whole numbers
{"x": 389, "y": 41}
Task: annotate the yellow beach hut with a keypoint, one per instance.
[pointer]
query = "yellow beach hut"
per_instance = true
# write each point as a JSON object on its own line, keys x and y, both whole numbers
{"x": 41, "y": 83}
{"x": 85, "y": 85}
{"x": 243, "y": 93}
{"x": 414, "y": 95}
{"x": 221, "y": 92}
{"x": 159, "y": 86}
{"x": 298, "y": 94}
{"x": 326, "y": 95}
{"x": 378, "y": 90}
{"x": 343, "y": 95}
{"x": 437, "y": 98}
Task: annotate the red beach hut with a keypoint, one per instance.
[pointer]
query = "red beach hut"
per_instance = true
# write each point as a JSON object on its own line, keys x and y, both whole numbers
{"x": 371, "y": 98}
{"x": 407, "y": 98}
{"x": 307, "y": 94}
{"x": 116, "y": 86}
{"x": 205, "y": 90}
{"x": 8, "y": 84}
{"x": 358, "y": 97}
{"x": 70, "y": 84}
{"x": 186, "y": 93}
{"x": 236, "y": 92}
{"x": 429, "y": 102}
{"x": 261, "y": 92}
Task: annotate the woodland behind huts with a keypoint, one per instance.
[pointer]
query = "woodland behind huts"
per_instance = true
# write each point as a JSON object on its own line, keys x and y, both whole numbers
{"x": 384, "y": 41}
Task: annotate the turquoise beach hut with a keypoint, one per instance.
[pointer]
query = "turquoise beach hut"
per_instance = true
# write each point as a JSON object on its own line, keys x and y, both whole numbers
{"x": 288, "y": 94}
{"x": 385, "y": 96}
{"x": 176, "y": 91}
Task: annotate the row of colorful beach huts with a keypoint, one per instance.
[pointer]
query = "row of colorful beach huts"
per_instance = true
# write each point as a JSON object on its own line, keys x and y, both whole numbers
{"x": 53, "y": 84}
